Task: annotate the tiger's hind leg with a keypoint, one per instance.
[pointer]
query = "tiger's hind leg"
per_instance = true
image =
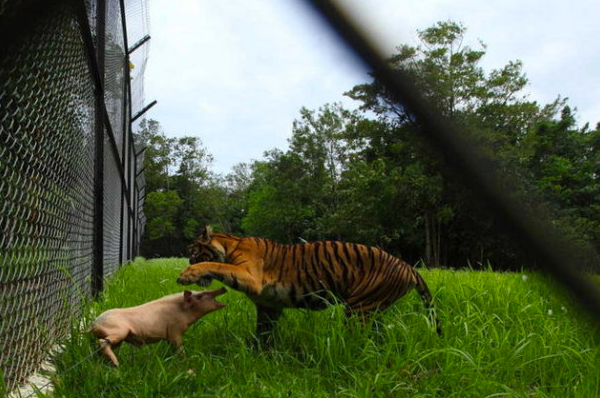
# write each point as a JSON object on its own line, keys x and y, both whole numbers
{"x": 363, "y": 317}
{"x": 366, "y": 318}
{"x": 266, "y": 318}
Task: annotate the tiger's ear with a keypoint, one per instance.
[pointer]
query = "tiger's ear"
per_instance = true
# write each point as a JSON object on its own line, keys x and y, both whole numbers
{"x": 206, "y": 236}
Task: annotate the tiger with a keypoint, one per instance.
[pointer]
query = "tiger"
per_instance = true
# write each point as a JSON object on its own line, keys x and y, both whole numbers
{"x": 312, "y": 275}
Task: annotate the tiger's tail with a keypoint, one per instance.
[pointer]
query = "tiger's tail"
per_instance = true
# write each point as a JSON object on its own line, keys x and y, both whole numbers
{"x": 425, "y": 294}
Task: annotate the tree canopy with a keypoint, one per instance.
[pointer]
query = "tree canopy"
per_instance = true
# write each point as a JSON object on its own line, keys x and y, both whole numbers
{"x": 368, "y": 175}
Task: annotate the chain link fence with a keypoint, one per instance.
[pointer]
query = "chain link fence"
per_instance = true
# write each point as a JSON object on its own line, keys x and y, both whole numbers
{"x": 71, "y": 186}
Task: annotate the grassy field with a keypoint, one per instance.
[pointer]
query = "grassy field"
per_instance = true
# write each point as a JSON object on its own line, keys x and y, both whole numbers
{"x": 506, "y": 335}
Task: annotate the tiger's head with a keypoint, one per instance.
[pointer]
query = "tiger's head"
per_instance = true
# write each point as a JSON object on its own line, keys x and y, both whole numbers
{"x": 203, "y": 249}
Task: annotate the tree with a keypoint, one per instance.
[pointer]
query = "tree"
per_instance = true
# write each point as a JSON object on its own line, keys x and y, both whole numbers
{"x": 318, "y": 139}
{"x": 160, "y": 209}
{"x": 370, "y": 176}
{"x": 564, "y": 164}
{"x": 235, "y": 203}
{"x": 294, "y": 194}
{"x": 491, "y": 106}
{"x": 280, "y": 200}
{"x": 158, "y": 157}
{"x": 182, "y": 195}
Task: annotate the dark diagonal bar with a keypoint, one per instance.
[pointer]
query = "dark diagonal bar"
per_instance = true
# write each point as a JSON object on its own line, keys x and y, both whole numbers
{"x": 553, "y": 252}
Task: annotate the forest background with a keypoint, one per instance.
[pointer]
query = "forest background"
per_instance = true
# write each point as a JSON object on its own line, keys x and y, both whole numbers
{"x": 368, "y": 175}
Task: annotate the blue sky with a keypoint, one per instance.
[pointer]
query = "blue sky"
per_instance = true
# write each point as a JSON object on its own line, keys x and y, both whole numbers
{"x": 236, "y": 73}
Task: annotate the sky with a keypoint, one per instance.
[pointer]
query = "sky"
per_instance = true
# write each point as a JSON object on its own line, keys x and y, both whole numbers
{"x": 237, "y": 72}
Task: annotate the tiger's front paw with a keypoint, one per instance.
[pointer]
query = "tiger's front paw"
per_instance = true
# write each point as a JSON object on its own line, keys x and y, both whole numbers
{"x": 190, "y": 275}
{"x": 204, "y": 281}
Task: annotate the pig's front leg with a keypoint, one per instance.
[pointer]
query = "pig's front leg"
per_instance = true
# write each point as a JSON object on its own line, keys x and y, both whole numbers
{"x": 176, "y": 342}
{"x": 235, "y": 276}
{"x": 175, "y": 334}
{"x": 175, "y": 337}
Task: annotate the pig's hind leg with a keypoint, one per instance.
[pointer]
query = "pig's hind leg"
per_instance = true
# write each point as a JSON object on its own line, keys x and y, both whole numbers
{"x": 107, "y": 343}
{"x": 106, "y": 349}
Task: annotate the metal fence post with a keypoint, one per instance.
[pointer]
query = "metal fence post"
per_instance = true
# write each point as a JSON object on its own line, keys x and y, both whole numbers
{"x": 126, "y": 144}
{"x": 98, "y": 265}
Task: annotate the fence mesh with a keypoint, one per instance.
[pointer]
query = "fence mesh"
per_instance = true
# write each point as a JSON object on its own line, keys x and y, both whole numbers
{"x": 49, "y": 117}
{"x": 112, "y": 213}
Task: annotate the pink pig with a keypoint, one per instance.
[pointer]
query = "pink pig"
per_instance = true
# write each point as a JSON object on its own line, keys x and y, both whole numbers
{"x": 166, "y": 318}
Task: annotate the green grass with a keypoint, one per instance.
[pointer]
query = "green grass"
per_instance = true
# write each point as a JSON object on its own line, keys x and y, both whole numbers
{"x": 504, "y": 335}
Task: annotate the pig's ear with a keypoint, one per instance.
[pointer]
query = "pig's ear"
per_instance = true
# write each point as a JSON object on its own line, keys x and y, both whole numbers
{"x": 187, "y": 298}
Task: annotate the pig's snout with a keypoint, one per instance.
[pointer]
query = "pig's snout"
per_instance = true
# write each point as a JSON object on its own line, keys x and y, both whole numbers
{"x": 219, "y": 305}
{"x": 213, "y": 294}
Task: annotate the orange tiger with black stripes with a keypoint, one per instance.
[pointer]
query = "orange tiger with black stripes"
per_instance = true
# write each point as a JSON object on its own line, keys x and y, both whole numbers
{"x": 311, "y": 275}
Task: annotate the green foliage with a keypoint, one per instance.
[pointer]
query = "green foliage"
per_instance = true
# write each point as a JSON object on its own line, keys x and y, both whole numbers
{"x": 280, "y": 204}
{"x": 292, "y": 193}
{"x": 498, "y": 115}
{"x": 181, "y": 193}
{"x": 505, "y": 334}
{"x": 157, "y": 155}
{"x": 160, "y": 209}
{"x": 370, "y": 176}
